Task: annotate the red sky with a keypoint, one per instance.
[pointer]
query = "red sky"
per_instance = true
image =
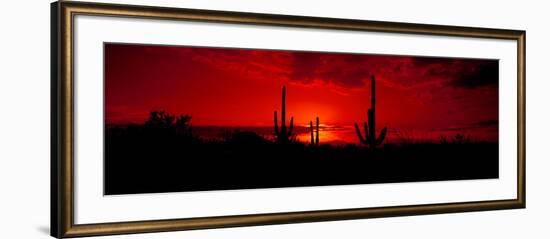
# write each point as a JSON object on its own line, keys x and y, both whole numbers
{"x": 242, "y": 87}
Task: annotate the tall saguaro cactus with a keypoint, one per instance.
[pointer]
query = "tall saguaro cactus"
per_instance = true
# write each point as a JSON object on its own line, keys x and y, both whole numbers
{"x": 316, "y": 141}
{"x": 283, "y": 135}
{"x": 370, "y": 138}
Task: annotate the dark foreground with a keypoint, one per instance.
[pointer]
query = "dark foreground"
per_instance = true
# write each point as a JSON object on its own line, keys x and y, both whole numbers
{"x": 141, "y": 161}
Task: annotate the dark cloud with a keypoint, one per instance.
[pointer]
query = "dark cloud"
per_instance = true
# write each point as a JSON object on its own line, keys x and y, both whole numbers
{"x": 349, "y": 70}
{"x": 476, "y": 125}
{"x": 431, "y": 61}
{"x": 461, "y": 73}
{"x": 485, "y": 123}
{"x": 482, "y": 74}
{"x": 346, "y": 70}
{"x": 304, "y": 66}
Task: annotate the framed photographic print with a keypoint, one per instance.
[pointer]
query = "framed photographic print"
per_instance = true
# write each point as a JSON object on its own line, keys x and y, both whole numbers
{"x": 170, "y": 119}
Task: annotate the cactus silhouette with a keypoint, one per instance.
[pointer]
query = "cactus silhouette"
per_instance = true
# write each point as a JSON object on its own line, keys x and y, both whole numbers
{"x": 316, "y": 141}
{"x": 283, "y": 135}
{"x": 370, "y": 138}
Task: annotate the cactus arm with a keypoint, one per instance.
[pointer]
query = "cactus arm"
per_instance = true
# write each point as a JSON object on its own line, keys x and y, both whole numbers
{"x": 358, "y": 131}
{"x": 291, "y": 126}
{"x": 317, "y": 132}
{"x": 311, "y": 130}
{"x": 373, "y": 94}
{"x": 275, "y": 124}
{"x": 382, "y": 136}
{"x": 371, "y": 131}
{"x": 366, "y": 128}
{"x": 283, "y": 112}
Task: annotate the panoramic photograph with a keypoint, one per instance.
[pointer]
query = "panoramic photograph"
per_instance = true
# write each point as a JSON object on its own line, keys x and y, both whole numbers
{"x": 189, "y": 118}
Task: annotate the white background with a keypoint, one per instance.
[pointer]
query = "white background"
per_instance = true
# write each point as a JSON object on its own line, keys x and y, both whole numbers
{"x": 24, "y": 121}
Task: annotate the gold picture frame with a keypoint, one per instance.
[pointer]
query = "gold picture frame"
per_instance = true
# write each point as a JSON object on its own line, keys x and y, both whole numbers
{"x": 62, "y": 208}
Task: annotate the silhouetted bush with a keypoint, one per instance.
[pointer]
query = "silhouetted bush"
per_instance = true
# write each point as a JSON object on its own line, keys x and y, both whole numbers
{"x": 163, "y": 155}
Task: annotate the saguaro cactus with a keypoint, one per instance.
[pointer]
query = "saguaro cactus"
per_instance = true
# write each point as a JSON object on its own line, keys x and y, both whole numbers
{"x": 370, "y": 138}
{"x": 283, "y": 135}
{"x": 316, "y": 141}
